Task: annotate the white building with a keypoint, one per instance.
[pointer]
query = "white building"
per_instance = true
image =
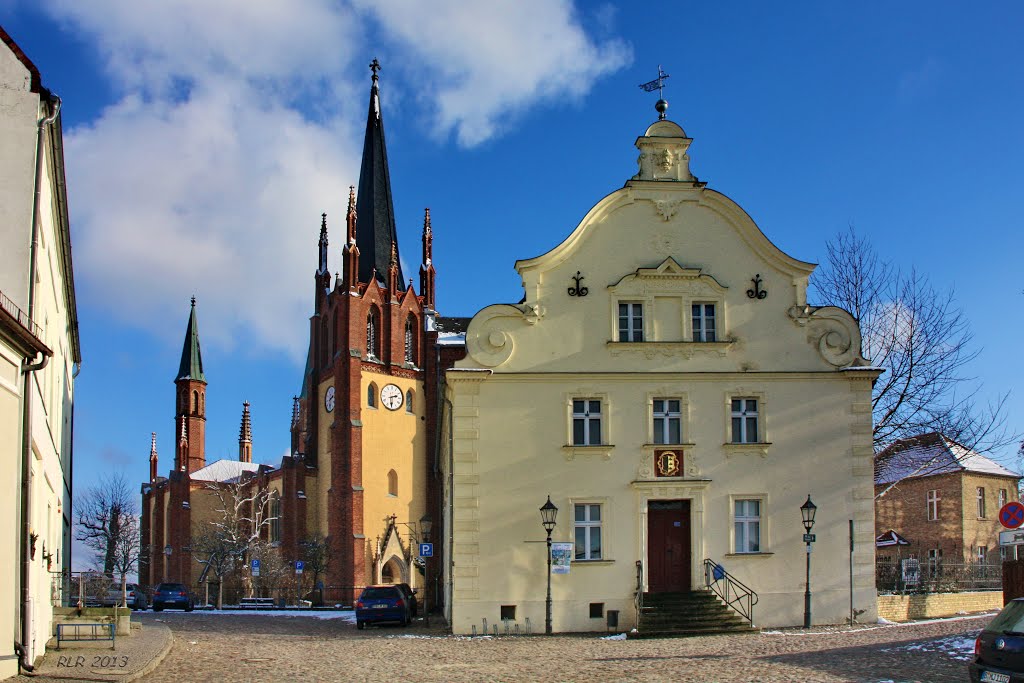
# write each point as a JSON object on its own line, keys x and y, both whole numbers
{"x": 39, "y": 357}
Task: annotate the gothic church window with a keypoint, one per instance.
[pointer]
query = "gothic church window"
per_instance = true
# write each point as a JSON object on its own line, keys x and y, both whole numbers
{"x": 371, "y": 396}
{"x": 410, "y": 341}
{"x": 408, "y": 402}
{"x": 372, "y": 325}
{"x": 195, "y": 402}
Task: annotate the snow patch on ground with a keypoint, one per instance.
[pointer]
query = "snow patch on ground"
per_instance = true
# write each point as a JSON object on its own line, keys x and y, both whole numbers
{"x": 618, "y": 636}
{"x": 959, "y": 647}
{"x": 345, "y": 615}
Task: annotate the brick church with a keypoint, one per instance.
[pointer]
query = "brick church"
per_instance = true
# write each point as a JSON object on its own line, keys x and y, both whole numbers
{"x": 361, "y": 476}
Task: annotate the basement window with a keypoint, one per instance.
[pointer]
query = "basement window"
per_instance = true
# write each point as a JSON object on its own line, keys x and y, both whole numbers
{"x": 596, "y": 610}
{"x": 508, "y": 612}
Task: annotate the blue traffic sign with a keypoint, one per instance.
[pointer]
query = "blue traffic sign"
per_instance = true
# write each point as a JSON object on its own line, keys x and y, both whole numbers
{"x": 299, "y": 566}
{"x": 426, "y": 549}
{"x": 255, "y": 564}
{"x": 1011, "y": 515}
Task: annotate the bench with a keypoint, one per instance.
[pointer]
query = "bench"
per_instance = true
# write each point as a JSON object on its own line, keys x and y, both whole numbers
{"x": 257, "y": 603}
{"x": 71, "y": 631}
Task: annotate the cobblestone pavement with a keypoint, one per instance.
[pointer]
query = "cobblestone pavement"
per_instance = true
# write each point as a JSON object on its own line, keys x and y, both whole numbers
{"x": 262, "y": 648}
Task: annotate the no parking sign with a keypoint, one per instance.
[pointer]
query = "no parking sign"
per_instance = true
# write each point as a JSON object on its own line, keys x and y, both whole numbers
{"x": 1011, "y": 515}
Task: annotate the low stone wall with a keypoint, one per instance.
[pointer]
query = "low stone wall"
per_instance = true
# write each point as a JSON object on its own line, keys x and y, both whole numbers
{"x": 928, "y": 605}
{"x": 94, "y": 615}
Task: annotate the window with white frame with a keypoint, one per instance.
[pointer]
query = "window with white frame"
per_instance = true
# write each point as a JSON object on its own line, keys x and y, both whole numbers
{"x": 981, "y": 554}
{"x": 703, "y": 316}
{"x": 1002, "y": 498}
{"x": 744, "y": 420}
{"x": 747, "y": 526}
{"x": 934, "y": 560}
{"x": 667, "y": 421}
{"x": 587, "y": 531}
{"x": 933, "y": 505}
{"x": 631, "y": 322}
{"x": 586, "y": 422}
{"x": 981, "y": 502}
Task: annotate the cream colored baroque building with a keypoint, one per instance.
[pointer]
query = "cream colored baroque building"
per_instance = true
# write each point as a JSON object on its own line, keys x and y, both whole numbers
{"x": 39, "y": 357}
{"x": 665, "y": 381}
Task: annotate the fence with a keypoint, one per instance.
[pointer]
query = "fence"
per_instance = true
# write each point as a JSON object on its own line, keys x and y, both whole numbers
{"x": 916, "y": 576}
{"x": 68, "y": 589}
{"x": 283, "y": 596}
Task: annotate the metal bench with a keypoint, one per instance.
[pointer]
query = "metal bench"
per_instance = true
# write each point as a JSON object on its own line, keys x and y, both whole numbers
{"x": 70, "y": 631}
{"x": 257, "y": 603}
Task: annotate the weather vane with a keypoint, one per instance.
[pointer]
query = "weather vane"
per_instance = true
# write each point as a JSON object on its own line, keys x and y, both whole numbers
{"x": 658, "y": 84}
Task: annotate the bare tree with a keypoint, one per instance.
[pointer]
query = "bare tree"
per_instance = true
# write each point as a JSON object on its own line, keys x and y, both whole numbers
{"x": 126, "y": 551}
{"x": 922, "y": 339}
{"x": 218, "y": 556}
{"x": 102, "y": 515}
{"x": 243, "y": 515}
{"x": 317, "y": 555}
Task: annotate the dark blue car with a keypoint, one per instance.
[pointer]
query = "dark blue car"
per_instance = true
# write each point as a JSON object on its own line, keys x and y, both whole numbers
{"x": 999, "y": 649}
{"x": 382, "y": 603}
{"x": 172, "y": 595}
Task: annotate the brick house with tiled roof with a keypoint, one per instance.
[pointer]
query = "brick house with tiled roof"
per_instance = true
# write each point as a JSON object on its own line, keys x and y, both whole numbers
{"x": 942, "y": 498}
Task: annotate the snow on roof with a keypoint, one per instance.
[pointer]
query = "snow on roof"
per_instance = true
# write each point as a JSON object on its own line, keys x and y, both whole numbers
{"x": 224, "y": 470}
{"x": 930, "y": 455}
{"x": 451, "y": 339}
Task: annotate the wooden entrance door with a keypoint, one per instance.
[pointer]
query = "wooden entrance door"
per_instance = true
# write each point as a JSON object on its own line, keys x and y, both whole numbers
{"x": 668, "y": 545}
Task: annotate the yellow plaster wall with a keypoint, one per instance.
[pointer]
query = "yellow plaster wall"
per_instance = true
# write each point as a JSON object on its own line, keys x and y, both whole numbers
{"x": 322, "y": 484}
{"x": 392, "y": 439}
{"x": 511, "y": 424}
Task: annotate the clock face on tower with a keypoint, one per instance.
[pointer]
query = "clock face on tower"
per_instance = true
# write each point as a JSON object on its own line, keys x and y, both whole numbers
{"x": 329, "y": 399}
{"x": 391, "y": 397}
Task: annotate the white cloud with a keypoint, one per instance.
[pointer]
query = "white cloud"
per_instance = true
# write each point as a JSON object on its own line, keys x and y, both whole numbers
{"x": 239, "y": 122}
{"x": 486, "y": 60}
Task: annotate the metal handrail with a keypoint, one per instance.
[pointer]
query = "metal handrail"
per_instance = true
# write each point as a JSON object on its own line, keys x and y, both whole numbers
{"x": 638, "y": 597}
{"x": 731, "y": 590}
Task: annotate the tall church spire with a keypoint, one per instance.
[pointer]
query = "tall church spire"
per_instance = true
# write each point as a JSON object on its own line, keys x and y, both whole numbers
{"x": 191, "y": 366}
{"x": 375, "y": 213}
{"x": 152, "y": 458}
{"x": 245, "y": 435}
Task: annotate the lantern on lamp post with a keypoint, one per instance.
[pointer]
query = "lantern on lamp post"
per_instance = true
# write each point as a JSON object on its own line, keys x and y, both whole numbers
{"x": 548, "y": 513}
{"x": 807, "y": 511}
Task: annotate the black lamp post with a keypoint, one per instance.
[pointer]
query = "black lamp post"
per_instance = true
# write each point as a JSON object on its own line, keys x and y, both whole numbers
{"x": 548, "y": 512}
{"x": 807, "y": 511}
{"x": 426, "y": 524}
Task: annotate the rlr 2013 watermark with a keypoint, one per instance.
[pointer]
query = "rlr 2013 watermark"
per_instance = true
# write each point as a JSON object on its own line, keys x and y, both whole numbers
{"x": 94, "y": 661}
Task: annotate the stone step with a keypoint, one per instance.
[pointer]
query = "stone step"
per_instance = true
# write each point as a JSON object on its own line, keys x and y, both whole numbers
{"x": 687, "y": 633}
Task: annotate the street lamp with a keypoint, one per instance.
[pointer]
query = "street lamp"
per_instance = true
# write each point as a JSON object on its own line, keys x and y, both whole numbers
{"x": 548, "y": 512}
{"x": 807, "y": 511}
{"x": 167, "y": 560}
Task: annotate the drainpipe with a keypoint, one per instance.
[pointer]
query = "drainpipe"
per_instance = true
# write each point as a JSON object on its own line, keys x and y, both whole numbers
{"x": 25, "y": 649}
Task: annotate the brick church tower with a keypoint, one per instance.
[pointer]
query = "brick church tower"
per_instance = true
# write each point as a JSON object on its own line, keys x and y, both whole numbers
{"x": 190, "y": 403}
{"x": 366, "y": 419}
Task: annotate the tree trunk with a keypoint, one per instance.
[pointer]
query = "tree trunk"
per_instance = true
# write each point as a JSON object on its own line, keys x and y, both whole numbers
{"x": 113, "y": 535}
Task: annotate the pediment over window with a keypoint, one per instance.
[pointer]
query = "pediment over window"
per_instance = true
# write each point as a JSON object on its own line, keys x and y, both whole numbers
{"x": 668, "y": 276}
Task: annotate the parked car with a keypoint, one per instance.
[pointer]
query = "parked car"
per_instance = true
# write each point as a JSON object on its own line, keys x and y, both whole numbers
{"x": 382, "y": 603}
{"x": 999, "y": 648}
{"x": 136, "y": 596}
{"x": 410, "y": 596}
{"x": 173, "y": 595}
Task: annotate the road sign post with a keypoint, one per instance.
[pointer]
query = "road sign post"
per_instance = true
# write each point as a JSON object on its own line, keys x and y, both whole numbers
{"x": 426, "y": 549}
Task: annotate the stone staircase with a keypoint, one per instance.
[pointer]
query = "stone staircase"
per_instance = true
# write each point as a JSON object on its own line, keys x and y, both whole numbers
{"x": 697, "y": 613}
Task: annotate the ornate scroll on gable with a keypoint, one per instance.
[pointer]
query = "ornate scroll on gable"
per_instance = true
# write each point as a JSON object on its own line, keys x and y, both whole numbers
{"x": 490, "y": 337}
{"x": 833, "y": 332}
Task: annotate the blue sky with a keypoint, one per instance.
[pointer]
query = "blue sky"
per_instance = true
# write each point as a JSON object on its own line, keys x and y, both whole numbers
{"x": 204, "y": 139}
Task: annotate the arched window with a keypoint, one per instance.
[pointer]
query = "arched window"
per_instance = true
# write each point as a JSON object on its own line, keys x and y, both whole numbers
{"x": 371, "y": 395}
{"x": 410, "y": 340}
{"x": 202, "y": 404}
{"x": 371, "y": 334}
{"x": 334, "y": 334}
{"x": 325, "y": 340}
{"x": 195, "y": 402}
{"x": 392, "y": 483}
{"x": 408, "y": 402}
{"x": 275, "y": 517}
